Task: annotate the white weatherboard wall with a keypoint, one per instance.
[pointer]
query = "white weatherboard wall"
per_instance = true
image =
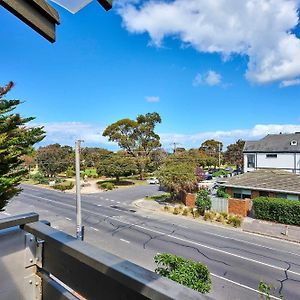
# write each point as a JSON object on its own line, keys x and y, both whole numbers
{"x": 284, "y": 161}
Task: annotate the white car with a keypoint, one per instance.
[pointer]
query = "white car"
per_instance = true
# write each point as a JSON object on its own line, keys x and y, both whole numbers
{"x": 153, "y": 180}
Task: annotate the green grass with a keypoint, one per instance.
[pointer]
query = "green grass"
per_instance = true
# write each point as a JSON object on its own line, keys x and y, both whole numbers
{"x": 162, "y": 197}
{"x": 122, "y": 182}
{"x": 91, "y": 172}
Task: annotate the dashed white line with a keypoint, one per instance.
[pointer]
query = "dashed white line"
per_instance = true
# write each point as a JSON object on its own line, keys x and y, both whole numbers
{"x": 118, "y": 202}
{"x": 96, "y": 229}
{"x": 69, "y": 219}
{"x": 107, "y": 199}
{"x": 112, "y": 200}
{"x": 99, "y": 205}
{"x": 6, "y": 213}
{"x": 181, "y": 239}
{"x": 125, "y": 241}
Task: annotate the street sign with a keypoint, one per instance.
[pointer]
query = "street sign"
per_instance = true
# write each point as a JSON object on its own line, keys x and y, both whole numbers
{"x": 38, "y": 14}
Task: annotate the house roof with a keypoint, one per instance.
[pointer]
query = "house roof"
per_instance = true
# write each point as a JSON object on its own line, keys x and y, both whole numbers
{"x": 275, "y": 143}
{"x": 266, "y": 180}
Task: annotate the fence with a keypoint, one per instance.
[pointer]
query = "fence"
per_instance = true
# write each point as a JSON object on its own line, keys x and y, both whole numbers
{"x": 219, "y": 204}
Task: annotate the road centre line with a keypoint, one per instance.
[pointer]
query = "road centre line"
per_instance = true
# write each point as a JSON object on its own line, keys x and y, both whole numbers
{"x": 125, "y": 241}
{"x": 96, "y": 229}
{"x": 69, "y": 219}
{"x": 177, "y": 238}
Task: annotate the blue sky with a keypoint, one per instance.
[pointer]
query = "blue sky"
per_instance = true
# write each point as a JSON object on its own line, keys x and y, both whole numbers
{"x": 234, "y": 80}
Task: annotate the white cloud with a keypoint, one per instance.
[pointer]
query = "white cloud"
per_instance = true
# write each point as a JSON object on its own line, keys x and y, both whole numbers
{"x": 291, "y": 82}
{"x": 227, "y": 137}
{"x": 258, "y": 29}
{"x": 152, "y": 99}
{"x": 211, "y": 78}
{"x": 66, "y": 133}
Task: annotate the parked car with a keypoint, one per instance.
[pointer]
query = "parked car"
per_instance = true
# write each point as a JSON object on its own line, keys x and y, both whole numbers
{"x": 153, "y": 180}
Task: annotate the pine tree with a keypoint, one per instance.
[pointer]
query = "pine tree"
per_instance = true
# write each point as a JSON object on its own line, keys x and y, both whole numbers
{"x": 16, "y": 140}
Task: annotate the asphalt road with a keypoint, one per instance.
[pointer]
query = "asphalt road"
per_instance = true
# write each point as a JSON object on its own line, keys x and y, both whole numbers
{"x": 238, "y": 261}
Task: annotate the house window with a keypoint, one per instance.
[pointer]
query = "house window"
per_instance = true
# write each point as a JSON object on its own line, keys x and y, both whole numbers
{"x": 263, "y": 194}
{"x": 251, "y": 161}
{"x": 281, "y": 195}
{"x": 271, "y": 155}
{"x": 241, "y": 194}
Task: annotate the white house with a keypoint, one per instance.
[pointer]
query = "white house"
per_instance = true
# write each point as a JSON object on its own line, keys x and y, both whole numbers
{"x": 275, "y": 151}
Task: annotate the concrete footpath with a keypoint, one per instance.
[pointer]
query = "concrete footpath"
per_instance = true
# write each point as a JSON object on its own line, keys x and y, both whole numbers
{"x": 271, "y": 229}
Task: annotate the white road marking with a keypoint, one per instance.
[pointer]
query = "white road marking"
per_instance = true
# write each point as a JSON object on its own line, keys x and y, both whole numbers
{"x": 125, "y": 241}
{"x": 96, "y": 229}
{"x": 180, "y": 239}
{"x": 112, "y": 200}
{"x": 69, "y": 219}
{"x": 99, "y": 205}
{"x": 244, "y": 286}
{"x": 118, "y": 202}
{"x": 182, "y": 226}
{"x": 107, "y": 199}
{"x": 6, "y": 213}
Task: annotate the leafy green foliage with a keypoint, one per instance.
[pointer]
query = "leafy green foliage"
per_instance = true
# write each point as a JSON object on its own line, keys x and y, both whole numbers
{"x": 221, "y": 192}
{"x": 64, "y": 186}
{"x": 192, "y": 274}
{"x": 16, "y": 140}
{"x": 107, "y": 186}
{"x": 203, "y": 201}
{"x": 234, "y": 153}
{"x": 277, "y": 210}
{"x": 178, "y": 176}
{"x": 136, "y": 137}
{"x": 116, "y": 165}
{"x": 39, "y": 178}
{"x": 220, "y": 173}
{"x": 235, "y": 220}
{"x": 54, "y": 159}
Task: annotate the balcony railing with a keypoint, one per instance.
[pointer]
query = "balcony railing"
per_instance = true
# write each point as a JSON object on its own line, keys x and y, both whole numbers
{"x": 40, "y": 262}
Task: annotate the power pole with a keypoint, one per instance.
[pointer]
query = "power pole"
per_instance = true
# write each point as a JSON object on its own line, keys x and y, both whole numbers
{"x": 219, "y": 155}
{"x": 79, "y": 228}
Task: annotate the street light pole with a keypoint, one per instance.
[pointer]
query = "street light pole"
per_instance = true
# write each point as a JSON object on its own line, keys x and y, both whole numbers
{"x": 79, "y": 229}
{"x": 219, "y": 155}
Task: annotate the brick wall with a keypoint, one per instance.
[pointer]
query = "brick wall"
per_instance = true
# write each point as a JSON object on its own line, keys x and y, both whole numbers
{"x": 189, "y": 199}
{"x": 239, "y": 206}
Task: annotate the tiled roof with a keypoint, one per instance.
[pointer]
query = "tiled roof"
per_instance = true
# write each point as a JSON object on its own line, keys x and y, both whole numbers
{"x": 274, "y": 143}
{"x": 266, "y": 180}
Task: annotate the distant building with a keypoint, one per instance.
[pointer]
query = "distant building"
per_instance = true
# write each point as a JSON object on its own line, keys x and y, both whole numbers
{"x": 264, "y": 183}
{"x": 275, "y": 151}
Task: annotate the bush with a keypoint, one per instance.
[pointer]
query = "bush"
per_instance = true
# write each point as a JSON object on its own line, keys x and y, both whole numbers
{"x": 192, "y": 274}
{"x": 234, "y": 220}
{"x": 39, "y": 178}
{"x": 224, "y": 214}
{"x": 64, "y": 186}
{"x": 220, "y": 173}
{"x": 107, "y": 186}
{"x": 221, "y": 193}
{"x": 185, "y": 212}
{"x": 166, "y": 208}
{"x": 277, "y": 210}
{"x": 203, "y": 201}
{"x": 209, "y": 216}
{"x": 70, "y": 172}
{"x": 176, "y": 211}
{"x": 220, "y": 218}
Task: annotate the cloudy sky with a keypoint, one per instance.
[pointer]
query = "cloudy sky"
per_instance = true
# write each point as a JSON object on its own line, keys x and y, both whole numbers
{"x": 223, "y": 69}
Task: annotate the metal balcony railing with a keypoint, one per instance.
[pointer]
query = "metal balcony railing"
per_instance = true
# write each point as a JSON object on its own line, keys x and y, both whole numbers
{"x": 40, "y": 262}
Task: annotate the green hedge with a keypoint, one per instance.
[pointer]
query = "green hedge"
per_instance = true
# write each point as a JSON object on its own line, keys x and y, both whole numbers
{"x": 194, "y": 275}
{"x": 277, "y": 210}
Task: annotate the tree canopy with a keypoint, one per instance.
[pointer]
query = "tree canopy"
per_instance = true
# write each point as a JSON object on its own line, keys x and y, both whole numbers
{"x": 16, "y": 140}
{"x": 116, "y": 165}
{"x": 136, "y": 137}
{"x": 234, "y": 153}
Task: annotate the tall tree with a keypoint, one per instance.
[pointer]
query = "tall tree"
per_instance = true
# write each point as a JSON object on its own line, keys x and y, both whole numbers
{"x": 211, "y": 147}
{"x": 116, "y": 165}
{"x": 136, "y": 137}
{"x": 16, "y": 140}
{"x": 93, "y": 156}
{"x": 54, "y": 159}
{"x": 234, "y": 154}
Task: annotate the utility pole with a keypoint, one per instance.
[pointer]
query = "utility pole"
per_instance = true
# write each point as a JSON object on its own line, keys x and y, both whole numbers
{"x": 79, "y": 228}
{"x": 175, "y": 146}
{"x": 219, "y": 155}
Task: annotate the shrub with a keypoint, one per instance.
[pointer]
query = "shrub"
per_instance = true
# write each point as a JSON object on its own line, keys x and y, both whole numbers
{"x": 64, "y": 186}
{"x": 192, "y": 274}
{"x": 176, "y": 211}
{"x": 235, "y": 221}
{"x": 209, "y": 216}
{"x": 166, "y": 208}
{"x": 39, "y": 178}
{"x": 224, "y": 214}
{"x": 107, "y": 186}
{"x": 185, "y": 212}
{"x": 203, "y": 201}
{"x": 70, "y": 172}
{"x": 220, "y": 218}
{"x": 278, "y": 210}
{"x": 220, "y": 173}
{"x": 221, "y": 192}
